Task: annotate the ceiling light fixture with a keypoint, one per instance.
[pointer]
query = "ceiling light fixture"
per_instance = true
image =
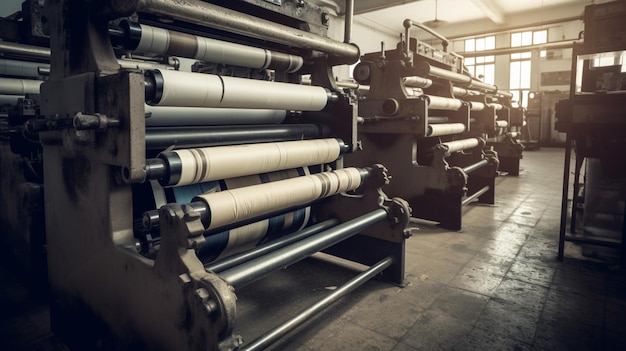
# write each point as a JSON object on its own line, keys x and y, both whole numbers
{"x": 436, "y": 23}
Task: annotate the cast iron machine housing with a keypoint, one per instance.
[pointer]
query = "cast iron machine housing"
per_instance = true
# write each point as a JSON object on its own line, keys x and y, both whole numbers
{"x": 131, "y": 277}
{"x": 411, "y": 119}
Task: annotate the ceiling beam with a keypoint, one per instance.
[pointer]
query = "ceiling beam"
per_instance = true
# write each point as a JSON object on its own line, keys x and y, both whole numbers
{"x": 491, "y": 10}
{"x": 361, "y": 6}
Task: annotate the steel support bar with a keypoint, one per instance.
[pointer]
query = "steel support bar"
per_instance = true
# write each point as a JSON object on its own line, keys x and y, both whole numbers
{"x": 480, "y": 164}
{"x": 566, "y": 170}
{"x": 159, "y": 138}
{"x": 258, "y": 268}
{"x": 234, "y": 260}
{"x": 475, "y": 195}
{"x": 206, "y": 14}
{"x": 273, "y": 335}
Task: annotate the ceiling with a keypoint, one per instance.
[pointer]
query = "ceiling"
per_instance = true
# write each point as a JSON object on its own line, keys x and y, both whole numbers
{"x": 389, "y": 14}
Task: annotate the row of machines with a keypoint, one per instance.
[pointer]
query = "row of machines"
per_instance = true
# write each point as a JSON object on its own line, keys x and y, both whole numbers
{"x": 196, "y": 183}
{"x": 167, "y": 192}
{"x": 442, "y": 133}
{"x": 594, "y": 120}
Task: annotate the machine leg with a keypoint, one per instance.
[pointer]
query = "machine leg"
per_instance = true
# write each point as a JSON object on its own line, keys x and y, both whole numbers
{"x": 566, "y": 169}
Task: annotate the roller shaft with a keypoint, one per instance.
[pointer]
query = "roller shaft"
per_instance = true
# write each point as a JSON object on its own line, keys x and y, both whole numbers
{"x": 460, "y": 145}
{"x": 258, "y": 268}
{"x": 273, "y": 335}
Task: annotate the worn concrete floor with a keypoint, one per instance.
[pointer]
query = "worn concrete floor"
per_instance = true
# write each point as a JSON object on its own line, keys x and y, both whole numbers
{"x": 495, "y": 285}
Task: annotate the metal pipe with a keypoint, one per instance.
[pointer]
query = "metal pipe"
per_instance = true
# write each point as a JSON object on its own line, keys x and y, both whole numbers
{"x": 423, "y": 68}
{"x": 273, "y": 335}
{"x": 567, "y": 44}
{"x": 408, "y": 23}
{"x": 23, "y": 50}
{"x": 348, "y": 18}
{"x": 480, "y": 164}
{"x": 235, "y": 260}
{"x": 23, "y": 69}
{"x": 258, "y": 268}
{"x": 206, "y": 14}
{"x": 474, "y": 196}
{"x": 161, "y": 138}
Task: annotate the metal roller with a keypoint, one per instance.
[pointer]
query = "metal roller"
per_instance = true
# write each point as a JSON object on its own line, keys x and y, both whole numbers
{"x": 445, "y": 129}
{"x": 206, "y": 14}
{"x": 22, "y": 69}
{"x": 190, "y": 166}
{"x": 165, "y": 116}
{"x": 12, "y": 86}
{"x": 160, "y": 138}
{"x": 175, "y": 88}
{"x": 425, "y": 69}
{"x": 144, "y": 38}
{"x": 9, "y": 99}
{"x": 251, "y": 271}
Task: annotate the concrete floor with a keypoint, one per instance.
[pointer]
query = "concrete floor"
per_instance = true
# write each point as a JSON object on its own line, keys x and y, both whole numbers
{"x": 495, "y": 285}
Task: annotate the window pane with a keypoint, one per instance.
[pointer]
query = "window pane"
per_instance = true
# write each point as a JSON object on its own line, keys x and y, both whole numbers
{"x": 516, "y": 39}
{"x": 490, "y": 58}
{"x": 480, "y": 59}
{"x": 490, "y": 74}
{"x": 490, "y": 42}
{"x": 527, "y": 38}
{"x": 469, "y": 61}
{"x": 469, "y": 45}
{"x": 540, "y": 37}
{"x": 516, "y": 56}
{"x": 471, "y": 70}
{"x": 525, "y": 75}
{"x": 515, "y": 71}
{"x": 543, "y": 53}
{"x": 525, "y": 55}
{"x": 524, "y": 101}
{"x": 480, "y": 70}
{"x": 480, "y": 44}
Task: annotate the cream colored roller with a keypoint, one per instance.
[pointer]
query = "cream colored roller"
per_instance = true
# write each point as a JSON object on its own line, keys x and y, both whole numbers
{"x": 502, "y": 124}
{"x": 477, "y": 106}
{"x": 209, "y": 90}
{"x": 232, "y": 206}
{"x": 441, "y": 103}
{"x": 460, "y": 145}
{"x": 498, "y": 107}
{"x": 445, "y": 129}
{"x": 11, "y": 86}
{"x": 211, "y": 163}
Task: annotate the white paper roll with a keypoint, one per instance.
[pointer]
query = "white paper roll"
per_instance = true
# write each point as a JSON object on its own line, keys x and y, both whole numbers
{"x": 460, "y": 145}
{"x": 441, "y": 103}
{"x": 445, "y": 129}
{"x": 208, "y": 90}
{"x": 24, "y": 69}
{"x": 221, "y": 162}
{"x": 237, "y": 205}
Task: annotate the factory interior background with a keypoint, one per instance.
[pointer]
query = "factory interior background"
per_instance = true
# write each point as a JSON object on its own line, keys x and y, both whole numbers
{"x": 313, "y": 175}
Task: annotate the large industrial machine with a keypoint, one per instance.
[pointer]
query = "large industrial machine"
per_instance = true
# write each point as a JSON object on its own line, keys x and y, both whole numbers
{"x": 430, "y": 121}
{"x": 593, "y": 118}
{"x": 168, "y": 191}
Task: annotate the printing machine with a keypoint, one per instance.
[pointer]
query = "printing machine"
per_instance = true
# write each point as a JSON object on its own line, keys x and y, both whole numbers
{"x": 432, "y": 141}
{"x": 167, "y": 191}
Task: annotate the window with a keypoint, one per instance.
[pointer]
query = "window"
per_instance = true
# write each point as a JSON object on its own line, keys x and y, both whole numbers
{"x": 519, "y": 83}
{"x": 482, "y": 67}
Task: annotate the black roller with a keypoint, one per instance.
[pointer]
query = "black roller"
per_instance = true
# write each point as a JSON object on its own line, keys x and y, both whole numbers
{"x": 162, "y": 138}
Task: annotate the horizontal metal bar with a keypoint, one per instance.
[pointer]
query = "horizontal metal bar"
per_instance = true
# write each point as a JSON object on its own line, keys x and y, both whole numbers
{"x": 474, "y": 196}
{"x": 480, "y": 164}
{"x": 258, "y": 268}
{"x": 234, "y": 260}
{"x": 273, "y": 335}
